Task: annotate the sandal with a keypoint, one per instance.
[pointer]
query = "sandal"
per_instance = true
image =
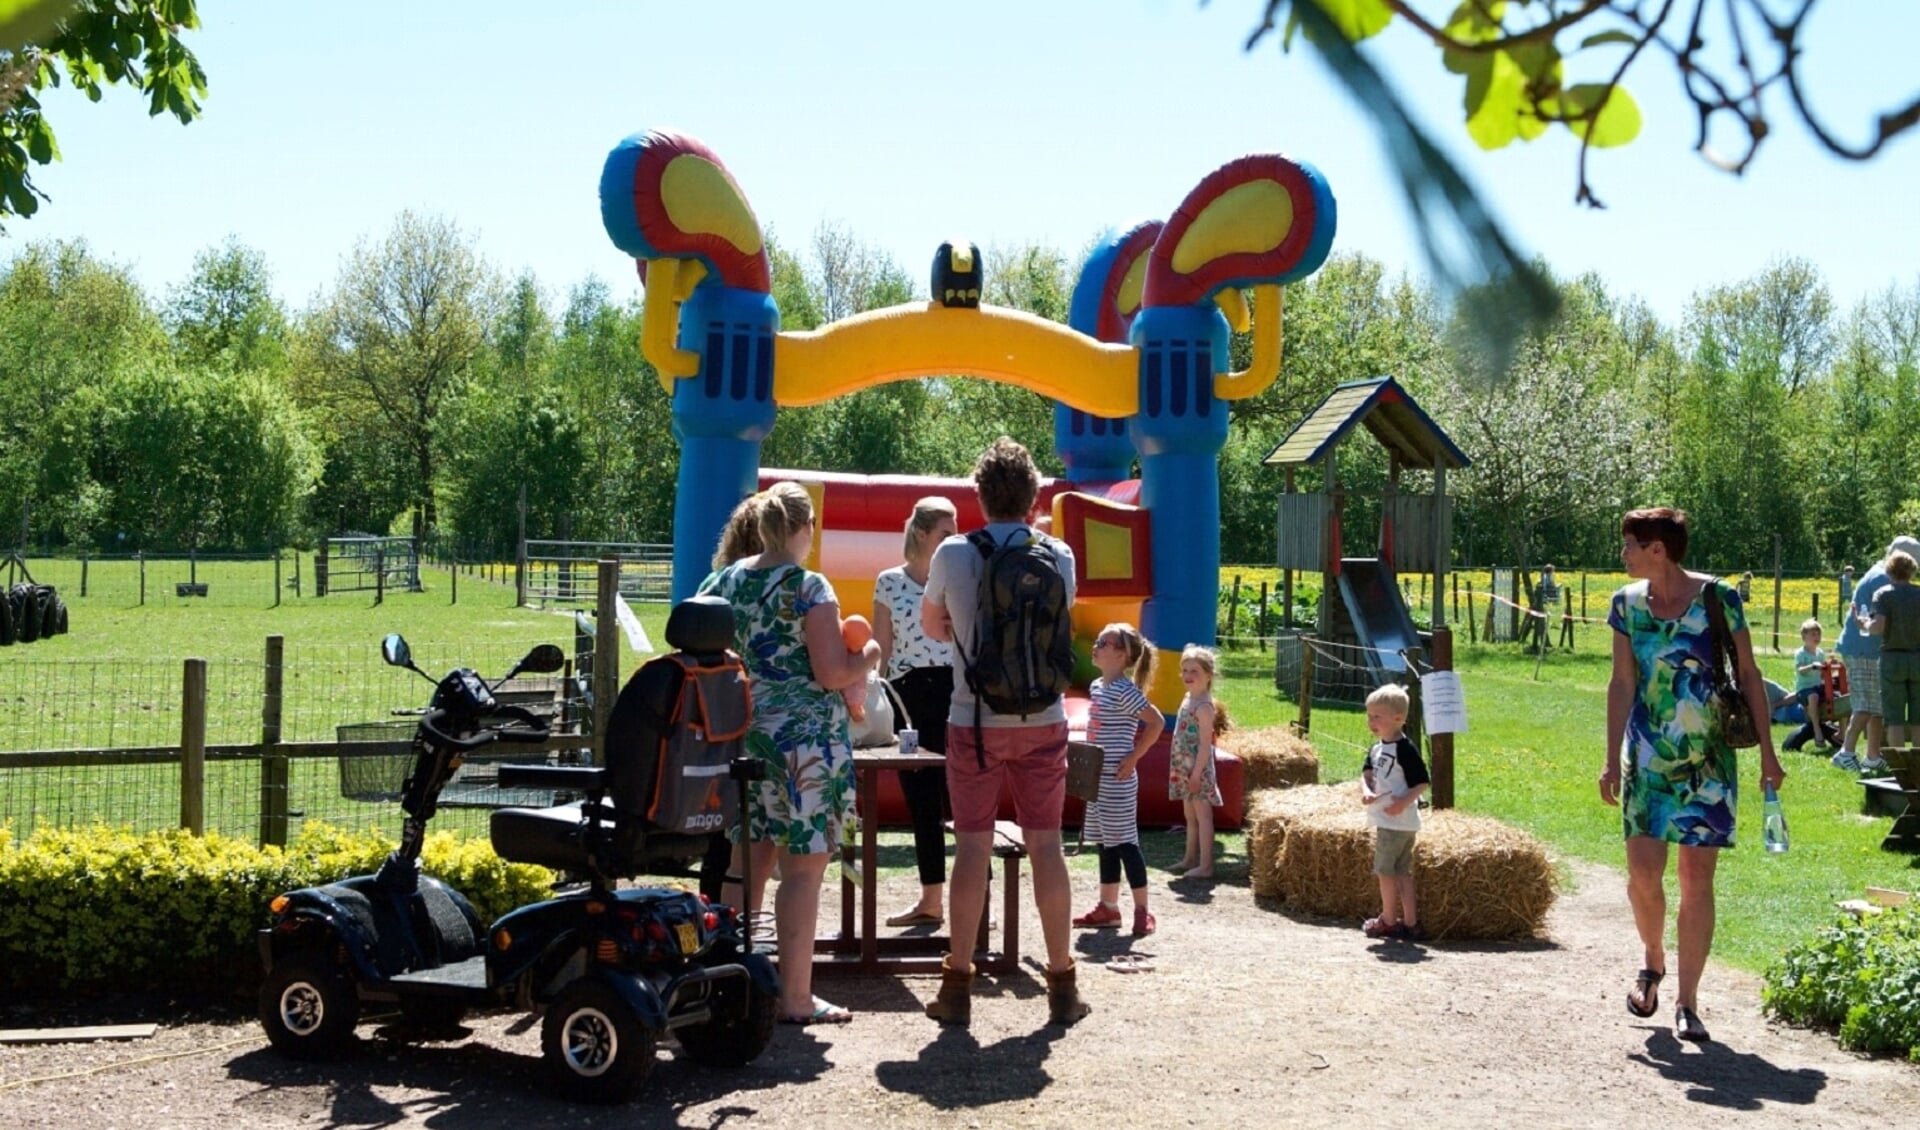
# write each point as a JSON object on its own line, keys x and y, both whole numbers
{"x": 823, "y": 1013}
{"x": 1647, "y": 987}
{"x": 1379, "y": 928}
{"x": 1687, "y": 1026}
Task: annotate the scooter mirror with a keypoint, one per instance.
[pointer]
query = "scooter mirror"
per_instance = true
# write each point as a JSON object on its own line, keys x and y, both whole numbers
{"x": 395, "y": 651}
{"x": 543, "y": 659}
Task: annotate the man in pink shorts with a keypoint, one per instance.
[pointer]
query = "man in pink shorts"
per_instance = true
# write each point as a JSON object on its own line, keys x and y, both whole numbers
{"x": 1028, "y": 754}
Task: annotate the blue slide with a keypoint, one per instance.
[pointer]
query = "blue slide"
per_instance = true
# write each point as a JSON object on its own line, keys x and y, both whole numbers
{"x": 1378, "y": 614}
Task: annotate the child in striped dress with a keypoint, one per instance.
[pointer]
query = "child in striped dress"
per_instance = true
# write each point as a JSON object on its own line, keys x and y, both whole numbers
{"x": 1124, "y": 725}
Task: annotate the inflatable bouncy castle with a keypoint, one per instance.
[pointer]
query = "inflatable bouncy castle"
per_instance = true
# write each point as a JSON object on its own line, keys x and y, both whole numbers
{"x": 1140, "y": 373}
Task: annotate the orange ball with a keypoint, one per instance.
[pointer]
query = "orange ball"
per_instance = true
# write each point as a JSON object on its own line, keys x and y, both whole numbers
{"x": 856, "y": 631}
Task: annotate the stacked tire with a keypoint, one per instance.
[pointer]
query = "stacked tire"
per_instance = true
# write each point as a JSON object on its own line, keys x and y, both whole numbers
{"x": 30, "y": 612}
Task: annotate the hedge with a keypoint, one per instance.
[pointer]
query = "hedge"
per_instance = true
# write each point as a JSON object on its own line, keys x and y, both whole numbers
{"x": 1860, "y": 977}
{"x": 106, "y": 909}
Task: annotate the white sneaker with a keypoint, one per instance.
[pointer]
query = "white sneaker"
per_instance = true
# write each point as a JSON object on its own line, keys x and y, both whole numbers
{"x": 1874, "y": 765}
{"x": 1845, "y": 760}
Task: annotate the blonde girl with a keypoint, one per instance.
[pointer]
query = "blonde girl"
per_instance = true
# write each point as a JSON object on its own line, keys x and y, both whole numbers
{"x": 1124, "y": 725}
{"x": 1191, "y": 779}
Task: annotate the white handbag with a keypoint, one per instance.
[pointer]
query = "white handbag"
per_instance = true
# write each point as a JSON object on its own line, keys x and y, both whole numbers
{"x": 878, "y": 728}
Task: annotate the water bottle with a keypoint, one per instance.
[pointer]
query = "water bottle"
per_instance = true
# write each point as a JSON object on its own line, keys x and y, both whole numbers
{"x": 1773, "y": 826}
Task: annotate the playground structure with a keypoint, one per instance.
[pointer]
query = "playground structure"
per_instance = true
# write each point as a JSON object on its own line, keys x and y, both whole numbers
{"x": 1140, "y": 372}
{"x": 1360, "y": 600}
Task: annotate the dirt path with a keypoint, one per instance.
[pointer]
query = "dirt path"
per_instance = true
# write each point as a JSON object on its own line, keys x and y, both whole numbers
{"x": 1250, "y": 1017}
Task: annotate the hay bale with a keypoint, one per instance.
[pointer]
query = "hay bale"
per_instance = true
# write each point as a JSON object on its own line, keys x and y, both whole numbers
{"x": 1477, "y": 877}
{"x": 1270, "y": 813}
{"x": 1275, "y": 757}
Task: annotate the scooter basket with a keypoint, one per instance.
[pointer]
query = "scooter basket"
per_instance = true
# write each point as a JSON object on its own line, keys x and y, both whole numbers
{"x": 375, "y": 774}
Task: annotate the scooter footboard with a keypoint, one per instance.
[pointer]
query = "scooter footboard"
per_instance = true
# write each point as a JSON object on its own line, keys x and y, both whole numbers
{"x": 688, "y": 995}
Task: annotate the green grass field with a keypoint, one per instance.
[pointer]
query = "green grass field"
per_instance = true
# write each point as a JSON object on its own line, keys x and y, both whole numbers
{"x": 1530, "y": 758}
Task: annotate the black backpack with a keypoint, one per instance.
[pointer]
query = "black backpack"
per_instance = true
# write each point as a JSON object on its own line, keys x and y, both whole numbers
{"x": 1022, "y": 660}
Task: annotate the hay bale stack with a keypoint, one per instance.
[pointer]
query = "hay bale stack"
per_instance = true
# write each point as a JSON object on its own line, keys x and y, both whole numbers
{"x": 1275, "y": 757}
{"x": 1478, "y": 878}
{"x": 1271, "y": 812}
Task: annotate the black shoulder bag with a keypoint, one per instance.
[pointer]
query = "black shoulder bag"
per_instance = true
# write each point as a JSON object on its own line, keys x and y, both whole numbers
{"x": 1737, "y": 726}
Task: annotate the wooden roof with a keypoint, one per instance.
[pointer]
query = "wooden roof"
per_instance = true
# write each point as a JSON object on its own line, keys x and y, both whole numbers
{"x": 1387, "y": 411}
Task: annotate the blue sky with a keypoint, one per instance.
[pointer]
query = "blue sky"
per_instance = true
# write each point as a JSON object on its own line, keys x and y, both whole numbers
{"x": 909, "y": 124}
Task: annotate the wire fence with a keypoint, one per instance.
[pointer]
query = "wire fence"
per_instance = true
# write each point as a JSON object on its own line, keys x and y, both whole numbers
{"x": 85, "y": 741}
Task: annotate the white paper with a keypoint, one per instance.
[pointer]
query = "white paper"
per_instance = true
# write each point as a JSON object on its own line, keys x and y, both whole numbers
{"x": 1443, "y": 703}
{"x": 636, "y": 634}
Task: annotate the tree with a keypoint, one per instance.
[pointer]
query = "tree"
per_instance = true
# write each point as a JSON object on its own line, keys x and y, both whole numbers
{"x": 399, "y": 335}
{"x": 225, "y": 313}
{"x": 95, "y": 44}
{"x": 1514, "y": 58}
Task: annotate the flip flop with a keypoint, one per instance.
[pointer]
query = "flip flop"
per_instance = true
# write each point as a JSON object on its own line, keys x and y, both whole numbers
{"x": 823, "y": 1013}
{"x": 915, "y": 917}
{"x": 1687, "y": 1026}
{"x": 1647, "y": 985}
{"x": 1130, "y": 963}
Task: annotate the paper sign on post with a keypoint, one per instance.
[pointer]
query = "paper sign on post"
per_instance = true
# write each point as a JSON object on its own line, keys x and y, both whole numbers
{"x": 636, "y": 634}
{"x": 1443, "y": 702}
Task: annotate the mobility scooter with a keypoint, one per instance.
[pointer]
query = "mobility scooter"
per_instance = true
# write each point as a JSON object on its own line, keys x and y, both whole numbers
{"x": 612, "y": 968}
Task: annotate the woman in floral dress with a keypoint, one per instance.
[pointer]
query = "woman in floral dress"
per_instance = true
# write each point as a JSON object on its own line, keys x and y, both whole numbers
{"x": 1679, "y": 787}
{"x": 787, "y": 630}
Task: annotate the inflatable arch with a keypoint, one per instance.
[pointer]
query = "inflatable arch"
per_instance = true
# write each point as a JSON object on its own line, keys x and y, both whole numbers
{"x": 1139, "y": 372}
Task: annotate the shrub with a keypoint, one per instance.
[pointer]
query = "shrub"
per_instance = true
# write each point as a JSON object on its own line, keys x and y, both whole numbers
{"x": 106, "y": 908}
{"x": 1858, "y": 976}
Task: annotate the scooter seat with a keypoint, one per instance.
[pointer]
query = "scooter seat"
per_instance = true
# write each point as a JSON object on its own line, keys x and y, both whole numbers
{"x": 561, "y": 838}
{"x": 554, "y": 837}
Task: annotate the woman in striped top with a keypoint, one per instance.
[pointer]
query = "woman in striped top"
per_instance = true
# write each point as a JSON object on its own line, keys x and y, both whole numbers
{"x": 1124, "y": 725}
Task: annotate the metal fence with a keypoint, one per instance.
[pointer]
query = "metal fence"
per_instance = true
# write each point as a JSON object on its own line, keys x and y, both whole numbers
{"x": 366, "y": 564}
{"x": 129, "y": 580}
{"x": 566, "y": 572}
{"x": 249, "y": 749}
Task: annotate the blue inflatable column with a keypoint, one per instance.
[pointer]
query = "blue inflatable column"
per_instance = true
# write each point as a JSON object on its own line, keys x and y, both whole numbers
{"x": 1179, "y": 432}
{"x": 1094, "y": 448}
{"x": 720, "y": 416}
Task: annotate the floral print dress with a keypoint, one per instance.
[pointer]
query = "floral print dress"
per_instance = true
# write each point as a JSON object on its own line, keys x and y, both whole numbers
{"x": 1680, "y": 775}
{"x": 800, "y": 728}
{"x": 1181, "y": 756}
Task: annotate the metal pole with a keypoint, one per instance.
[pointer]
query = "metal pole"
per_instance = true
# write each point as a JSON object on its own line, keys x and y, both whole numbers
{"x": 193, "y": 747}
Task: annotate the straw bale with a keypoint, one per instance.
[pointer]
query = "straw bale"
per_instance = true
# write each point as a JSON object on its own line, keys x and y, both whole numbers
{"x": 1275, "y": 757}
{"x": 1477, "y": 877}
{"x": 1270, "y": 812}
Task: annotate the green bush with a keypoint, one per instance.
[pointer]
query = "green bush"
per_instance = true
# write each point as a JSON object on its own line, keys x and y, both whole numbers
{"x": 1858, "y": 976}
{"x": 1246, "y": 616}
{"x": 104, "y": 908}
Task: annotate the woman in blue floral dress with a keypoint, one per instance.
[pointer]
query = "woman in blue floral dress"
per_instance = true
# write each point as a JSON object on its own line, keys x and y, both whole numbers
{"x": 787, "y": 630}
{"x": 1680, "y": 785}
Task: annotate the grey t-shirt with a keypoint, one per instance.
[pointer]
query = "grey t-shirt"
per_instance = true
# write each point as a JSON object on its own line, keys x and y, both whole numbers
{"x": 953, "y": 580}
{"x": 1900, "y": 604}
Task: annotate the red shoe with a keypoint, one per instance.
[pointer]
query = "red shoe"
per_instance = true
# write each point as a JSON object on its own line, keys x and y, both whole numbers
{"x": 1144, "y": 922}
{"x": 1100, "y": 915}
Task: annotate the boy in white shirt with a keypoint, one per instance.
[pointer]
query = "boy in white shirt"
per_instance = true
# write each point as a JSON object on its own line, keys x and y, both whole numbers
{"x": 1391, "y": 786}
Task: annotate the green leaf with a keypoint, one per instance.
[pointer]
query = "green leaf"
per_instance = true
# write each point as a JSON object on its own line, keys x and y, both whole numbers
{"x": 1475, "y": 21}
{"x": 1496, "y": 98}
{"x": 1606, "y": 37}
{"x": 1616, "y": 122}
{"x": 41, "y": 145}
{"x": 1357, "y": 19}
{"x": 26, "y": 21}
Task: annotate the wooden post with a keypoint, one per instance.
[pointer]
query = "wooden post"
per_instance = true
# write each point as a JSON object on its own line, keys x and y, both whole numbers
{"x": 606, "y": 648}
{"x": 379, "y": 577}
{"x": 1440, "y": 746}
{"x": 1303, "y": 725}
{"x": 296, "y": 572}
{"x": 193, "y": 747}
{"x": 453, "y": 584}
{"x": 273, "y": 764}
{"x": 276, "y": 578}
{"x": 520, "y": 556}
{"x": 142, "y": 559}
{"x": 1776, "y": 592}
{"x": 1233, "y": 606}
{"x": 320, "y": 569}
{"x": 1456, "y": 596}
{"x": 83, "y": 575}
{"x": 1261, "y": 630}
{"x": 1473, "y": 621}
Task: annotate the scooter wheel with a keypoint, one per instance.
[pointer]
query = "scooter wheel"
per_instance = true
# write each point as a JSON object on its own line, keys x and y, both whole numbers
{"x": 739, "y": 1030}
{"x": 308, "y": 1007}
{"x": 596, "y": 1048}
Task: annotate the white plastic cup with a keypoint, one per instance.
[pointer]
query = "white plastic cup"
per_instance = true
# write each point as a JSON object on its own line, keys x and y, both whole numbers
{"x": 909, "y": 740}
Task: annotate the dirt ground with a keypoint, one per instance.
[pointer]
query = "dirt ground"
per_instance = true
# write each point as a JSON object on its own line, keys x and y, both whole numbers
{"x": 1249, "y": 1016}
